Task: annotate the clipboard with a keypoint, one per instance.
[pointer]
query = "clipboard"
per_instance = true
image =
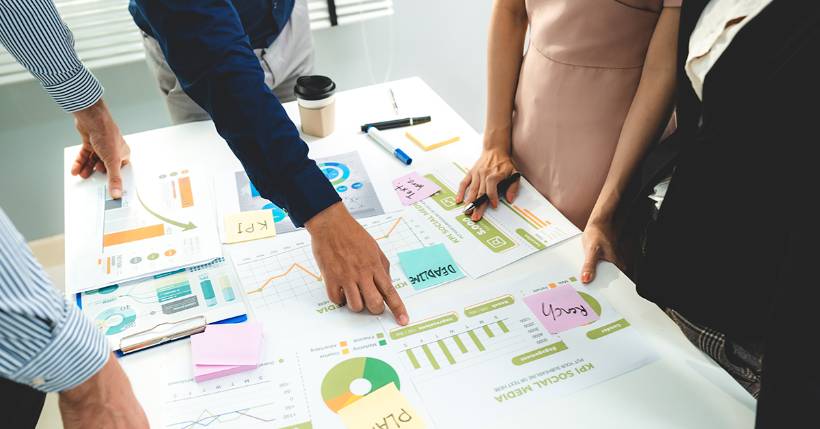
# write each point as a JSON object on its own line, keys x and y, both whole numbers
{"x": 165, "y": 332}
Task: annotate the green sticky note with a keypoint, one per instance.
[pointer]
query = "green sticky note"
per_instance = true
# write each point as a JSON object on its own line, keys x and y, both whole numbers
{"x": 429, "y": 266}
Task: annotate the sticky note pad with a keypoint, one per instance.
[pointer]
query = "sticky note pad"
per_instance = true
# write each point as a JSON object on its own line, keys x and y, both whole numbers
{"x": 429, "y": 266}
{"x": 249, "y": 225}
{"x": 561, "y": 309}
{"x": 412, "y": 188}
{"x": 382, "y": 408}
{"x": 226, "y": 349}
{"x": 429, "y": 137}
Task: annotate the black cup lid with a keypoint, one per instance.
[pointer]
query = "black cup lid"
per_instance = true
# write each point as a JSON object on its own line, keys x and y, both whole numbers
{"x": 314, "y": 87}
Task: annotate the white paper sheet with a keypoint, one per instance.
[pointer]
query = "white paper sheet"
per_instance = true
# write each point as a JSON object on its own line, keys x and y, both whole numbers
{"x": 164, "y": 221}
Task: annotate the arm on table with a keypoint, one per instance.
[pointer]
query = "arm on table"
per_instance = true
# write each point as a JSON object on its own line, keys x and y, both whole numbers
{"x": 206, "y": 47}
{"x": 48, "y": 344}
{"x": 508, "y": 28}
{"x": 648, "y": 114}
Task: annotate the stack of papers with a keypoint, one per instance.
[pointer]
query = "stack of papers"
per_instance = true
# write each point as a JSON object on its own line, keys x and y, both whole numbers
{"x": 226, "y": 349}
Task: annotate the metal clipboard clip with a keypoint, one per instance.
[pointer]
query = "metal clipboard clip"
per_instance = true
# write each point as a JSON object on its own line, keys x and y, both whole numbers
{"x": 162, "y": 333}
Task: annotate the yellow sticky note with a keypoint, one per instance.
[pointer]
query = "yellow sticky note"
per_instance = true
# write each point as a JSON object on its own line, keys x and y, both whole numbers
{"x": 250, "y": 225}
{"x": 386, "y": 408}
{"x": 429, "y": 137}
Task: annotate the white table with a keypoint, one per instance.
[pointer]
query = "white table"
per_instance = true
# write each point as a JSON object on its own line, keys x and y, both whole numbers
{"x": 683, "y": 389}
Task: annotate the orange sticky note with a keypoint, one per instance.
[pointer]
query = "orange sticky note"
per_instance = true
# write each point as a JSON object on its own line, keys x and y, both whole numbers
{"x": 249, "y": 225}
{"x": 385, "y": 408}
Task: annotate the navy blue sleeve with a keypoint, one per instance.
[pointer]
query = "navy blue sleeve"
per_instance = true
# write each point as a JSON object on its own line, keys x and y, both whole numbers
{"x": 207, "y": 48}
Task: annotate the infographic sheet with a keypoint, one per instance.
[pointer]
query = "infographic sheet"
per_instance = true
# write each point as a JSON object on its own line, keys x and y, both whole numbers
{"x": 210, "y": 290}
{"x": 466, "y": 360}
{"x": 504, "y": 235}
{"x": 163, "y": 221}
{"x": 346, "y": 172}
{"x": 280, "y": 276}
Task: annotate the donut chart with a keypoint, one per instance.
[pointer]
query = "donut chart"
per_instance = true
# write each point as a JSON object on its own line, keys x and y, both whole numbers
{"x": 278, "y": 213}
{"x": 336, "y": 172}
{"x": 336, "y": 390}
{"x": 116, "y": 319}
{"x": 593, "y": 303}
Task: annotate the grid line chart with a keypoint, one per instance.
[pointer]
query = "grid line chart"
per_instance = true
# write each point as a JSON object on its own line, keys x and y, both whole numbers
{"x": 279, "y": 275}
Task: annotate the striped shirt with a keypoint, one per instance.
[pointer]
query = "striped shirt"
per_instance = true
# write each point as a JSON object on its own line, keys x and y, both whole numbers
{"x": 32, "y": 31}
{"x": 45, "y": 341}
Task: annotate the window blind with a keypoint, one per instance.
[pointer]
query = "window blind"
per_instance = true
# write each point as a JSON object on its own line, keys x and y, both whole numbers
{"x": 105, "y": 35}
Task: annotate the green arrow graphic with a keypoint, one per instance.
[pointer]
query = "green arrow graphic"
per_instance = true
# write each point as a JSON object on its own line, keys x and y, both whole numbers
{"x": 184, "y": 226}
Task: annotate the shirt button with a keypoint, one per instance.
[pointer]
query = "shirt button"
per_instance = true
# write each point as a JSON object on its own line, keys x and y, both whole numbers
{"x": 38, "y": 381}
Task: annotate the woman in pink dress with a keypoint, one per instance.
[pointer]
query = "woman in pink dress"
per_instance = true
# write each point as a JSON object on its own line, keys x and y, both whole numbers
{"x": 577, "y": 111}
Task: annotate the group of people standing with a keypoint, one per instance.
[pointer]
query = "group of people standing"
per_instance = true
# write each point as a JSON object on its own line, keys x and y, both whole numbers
{"x": 677, "y": 134}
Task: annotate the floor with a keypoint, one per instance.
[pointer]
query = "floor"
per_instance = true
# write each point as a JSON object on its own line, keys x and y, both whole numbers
{"x": 50, "y": 252}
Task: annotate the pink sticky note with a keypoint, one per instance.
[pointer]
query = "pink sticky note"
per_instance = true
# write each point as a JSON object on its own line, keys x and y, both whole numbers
{"x": 209, "y": 372}
{"x": 228, "y": 344}
{"x": 561, "y": 309}
{"x": 413, "y": 188}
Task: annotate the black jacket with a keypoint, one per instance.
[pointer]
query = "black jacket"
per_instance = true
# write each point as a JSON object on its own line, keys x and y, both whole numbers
{"x": 734, "y": 246}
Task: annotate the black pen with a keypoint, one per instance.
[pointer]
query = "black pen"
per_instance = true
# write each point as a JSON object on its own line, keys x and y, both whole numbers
{"x": 396, "y": 123}
{"x": 502, "y": 189}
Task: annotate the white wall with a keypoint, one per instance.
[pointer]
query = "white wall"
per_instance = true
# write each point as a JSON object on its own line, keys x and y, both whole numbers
{"x": 442, "y": 41}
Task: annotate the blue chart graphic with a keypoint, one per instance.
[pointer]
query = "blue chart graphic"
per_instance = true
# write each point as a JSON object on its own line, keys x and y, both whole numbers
{"x": 279, "y": 214}
{"x": 344, "y": 171}
{"x": 336, "y": 172}
{"x": 117, "y": 319}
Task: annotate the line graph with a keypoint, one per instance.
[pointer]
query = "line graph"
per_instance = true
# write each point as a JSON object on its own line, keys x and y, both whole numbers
{"x": 295, "y": 266}
{"x": 270, "y": 396}
{"x": 284, "y": 277}
{"x": 206, "y": 418}
{"x": 309, "y": 272}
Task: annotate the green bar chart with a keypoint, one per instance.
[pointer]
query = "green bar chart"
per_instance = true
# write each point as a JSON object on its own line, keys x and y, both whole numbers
{"x": 449, "y": 351}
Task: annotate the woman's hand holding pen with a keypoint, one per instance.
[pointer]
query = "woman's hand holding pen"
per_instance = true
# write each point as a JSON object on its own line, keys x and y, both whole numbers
{"x": 492, "y": 167}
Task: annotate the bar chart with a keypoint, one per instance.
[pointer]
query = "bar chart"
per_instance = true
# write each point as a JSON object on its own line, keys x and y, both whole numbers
{"x": 453, "y": 341}
{"x": 453, "y": 347}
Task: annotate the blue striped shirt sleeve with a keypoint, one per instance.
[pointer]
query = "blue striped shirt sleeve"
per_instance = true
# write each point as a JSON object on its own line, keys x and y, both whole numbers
{"x": 32, "y": 31}
{"x": 45, "y": 341}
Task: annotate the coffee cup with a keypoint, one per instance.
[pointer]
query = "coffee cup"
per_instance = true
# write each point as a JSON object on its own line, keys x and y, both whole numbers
{"x": 317, "y": 104}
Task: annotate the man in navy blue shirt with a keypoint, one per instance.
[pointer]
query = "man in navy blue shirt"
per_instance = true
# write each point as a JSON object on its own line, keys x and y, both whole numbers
{"x": 206, "y": 46}
{"x": 279, "y": 33}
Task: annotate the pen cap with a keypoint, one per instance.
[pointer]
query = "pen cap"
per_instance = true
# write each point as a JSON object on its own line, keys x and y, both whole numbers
{"x": 403, "y": 157}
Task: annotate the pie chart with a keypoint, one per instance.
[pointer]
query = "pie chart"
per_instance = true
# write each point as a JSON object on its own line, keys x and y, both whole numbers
{"x": 116, "y": 319}
{"x": 351, "y": 380}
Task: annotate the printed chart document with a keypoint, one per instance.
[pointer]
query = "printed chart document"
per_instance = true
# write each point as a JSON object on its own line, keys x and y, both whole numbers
{"x": 164, "y": 221}
{"x": 281, "y": 277}
{"x": 475, "y": 358}
{"x": 466, "y": 360}
{"x": 346, "y": 172}
{"x": 211, "y": 290}
{"x": 504, "y": 235}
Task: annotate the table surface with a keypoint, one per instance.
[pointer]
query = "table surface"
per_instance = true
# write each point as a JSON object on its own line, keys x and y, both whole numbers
{"x": 682, "y": 389}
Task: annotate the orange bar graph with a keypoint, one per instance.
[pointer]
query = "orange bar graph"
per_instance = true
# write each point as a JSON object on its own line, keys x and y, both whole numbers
{"x": 131, "y": 235}
{"x": 185, "y": 194}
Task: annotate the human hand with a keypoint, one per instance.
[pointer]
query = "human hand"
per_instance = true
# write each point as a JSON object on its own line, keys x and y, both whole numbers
{"x": 599, "y": 245}
{"x": 491, "y": 168}
{"x": 103, "y": 401}
{"x": 103, "y": 147}
{"x": 353, "y": 266}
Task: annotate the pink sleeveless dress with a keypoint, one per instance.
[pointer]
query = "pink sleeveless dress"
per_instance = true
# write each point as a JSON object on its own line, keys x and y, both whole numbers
{"x": 577, "y": 82}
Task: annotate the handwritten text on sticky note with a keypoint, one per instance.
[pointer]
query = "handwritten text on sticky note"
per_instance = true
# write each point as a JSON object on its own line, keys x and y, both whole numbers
{"x": 413, "y": 188}
{"x": 561, "y": 309}
{"x": 249, "y": 225}
{"x": 385, "y": 408}
{"x": 429, "y": 266}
